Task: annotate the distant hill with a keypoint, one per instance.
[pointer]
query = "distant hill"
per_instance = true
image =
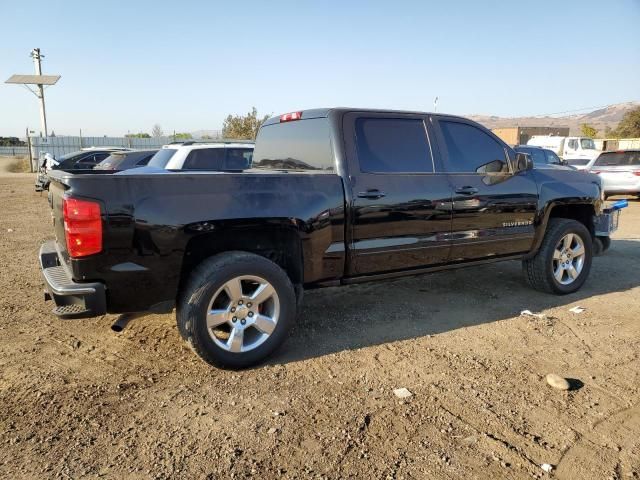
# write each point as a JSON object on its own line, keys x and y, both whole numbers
{"x": 599, "y": 119}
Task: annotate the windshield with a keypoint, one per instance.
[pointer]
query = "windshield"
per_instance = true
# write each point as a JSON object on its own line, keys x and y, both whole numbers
{"x": 69, "y": 155}
{"x": 161, "y": 158}
{"x": 587, "y": 144}
{"x": 620, "y": 159}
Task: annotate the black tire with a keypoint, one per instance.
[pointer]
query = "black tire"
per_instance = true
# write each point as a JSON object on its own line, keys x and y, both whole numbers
{"x": 605, "y": 243}
{"x": 539, "y": 269}
{"x": 206, "y": 279}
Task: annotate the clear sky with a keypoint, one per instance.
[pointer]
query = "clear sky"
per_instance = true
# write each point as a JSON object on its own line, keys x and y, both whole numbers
{"x": 187, "y": 64}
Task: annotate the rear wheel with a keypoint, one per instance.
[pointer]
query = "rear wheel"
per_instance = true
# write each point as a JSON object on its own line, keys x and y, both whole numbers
{"x": 236, "y": 309}
{"x": 563, "y": 261}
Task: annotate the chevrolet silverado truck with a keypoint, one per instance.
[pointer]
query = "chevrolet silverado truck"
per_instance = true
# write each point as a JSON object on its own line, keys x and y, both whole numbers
{"x": 333, "y": 197}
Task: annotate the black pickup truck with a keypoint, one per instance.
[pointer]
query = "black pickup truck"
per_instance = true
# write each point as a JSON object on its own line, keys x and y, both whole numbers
{"x": 334, "y": 197}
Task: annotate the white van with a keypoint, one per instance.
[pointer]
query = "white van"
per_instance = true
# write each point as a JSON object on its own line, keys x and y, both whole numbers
{"x": 577, "y": 151}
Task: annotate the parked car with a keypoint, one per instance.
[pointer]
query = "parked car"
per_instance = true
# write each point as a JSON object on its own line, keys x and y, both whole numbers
{"x": 335, "y": 197}
{"x": 219, "y": 155}
{"x": 542, "y": 157}
{"x": 126, "y": 160}
{"x": 619, "y": 171}
{"x": 84, "y": 159}
{"x": 577, "y": 151}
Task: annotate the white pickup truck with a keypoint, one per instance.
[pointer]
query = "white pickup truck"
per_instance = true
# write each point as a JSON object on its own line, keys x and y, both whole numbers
{"x": 576, "y": 151}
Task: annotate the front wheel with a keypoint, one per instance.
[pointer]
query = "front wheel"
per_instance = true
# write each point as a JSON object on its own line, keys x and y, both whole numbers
{"x": 563, "y": 262}
{"x": 236, "y": 309}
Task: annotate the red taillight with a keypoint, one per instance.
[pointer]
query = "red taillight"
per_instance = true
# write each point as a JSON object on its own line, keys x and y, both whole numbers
{"x": 636, "y": 173}
{"x": 82, "y": 227}
{"x": 287, "y": 117}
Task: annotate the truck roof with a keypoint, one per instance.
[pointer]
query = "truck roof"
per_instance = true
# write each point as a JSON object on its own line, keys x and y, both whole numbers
{"x": 324, "y": 112}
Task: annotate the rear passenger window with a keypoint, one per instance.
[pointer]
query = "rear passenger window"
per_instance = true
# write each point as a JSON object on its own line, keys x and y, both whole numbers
{"x": 204, "y": 159}
{"x": 238, "y": 158}
{"x": 470, "y": 150}
{"x": 393, "y": 145}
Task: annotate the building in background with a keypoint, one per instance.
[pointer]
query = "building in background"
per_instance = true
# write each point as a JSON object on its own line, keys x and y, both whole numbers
{"x": 521, "y": 135}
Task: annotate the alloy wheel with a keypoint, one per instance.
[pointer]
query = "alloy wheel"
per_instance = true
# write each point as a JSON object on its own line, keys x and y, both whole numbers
{"x": 243, "y": 313}
{"x": 568, "y": 259}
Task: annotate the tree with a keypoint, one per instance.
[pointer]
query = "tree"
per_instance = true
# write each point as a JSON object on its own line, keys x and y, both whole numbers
{"x": 52, "y": 134}
{"x": 243, "y": 126}
{"x": 629, "y": 126}
{"x": 588, "y": 131}
{"x": 11, "y": 142}
{"x": 156, "y": 131}
{"x": 183, "y": 136}
{"x": 137, "y": 135}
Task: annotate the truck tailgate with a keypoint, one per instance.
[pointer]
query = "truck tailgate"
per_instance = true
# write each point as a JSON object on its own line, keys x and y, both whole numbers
{"x": 56, "y": 196}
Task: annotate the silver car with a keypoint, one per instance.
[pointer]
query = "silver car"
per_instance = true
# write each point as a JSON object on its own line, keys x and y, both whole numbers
{"x": 620, "y": 172}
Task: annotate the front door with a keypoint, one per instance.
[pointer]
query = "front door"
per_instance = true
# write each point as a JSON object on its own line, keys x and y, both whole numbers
{"x": 493, "y": 208}
{"x": 400, "y": 207}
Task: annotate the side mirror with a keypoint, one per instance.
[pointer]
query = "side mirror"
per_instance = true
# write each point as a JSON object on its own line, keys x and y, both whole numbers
{"x": 523, "y": 162}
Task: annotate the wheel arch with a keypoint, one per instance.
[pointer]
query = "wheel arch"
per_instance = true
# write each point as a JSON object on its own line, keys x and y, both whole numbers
{"x": 277, "y": 241}
{"x": 580, "y": 211}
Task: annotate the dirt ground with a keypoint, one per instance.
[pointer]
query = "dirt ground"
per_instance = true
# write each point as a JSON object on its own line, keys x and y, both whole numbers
{"x": 79, "y": 401}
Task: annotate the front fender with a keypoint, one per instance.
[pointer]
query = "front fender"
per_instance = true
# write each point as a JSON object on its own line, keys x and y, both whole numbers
{"x": 569, "y": 198}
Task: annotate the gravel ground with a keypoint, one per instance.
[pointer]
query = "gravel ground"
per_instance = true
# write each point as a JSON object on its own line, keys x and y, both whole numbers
{"x": 79, "y": 401}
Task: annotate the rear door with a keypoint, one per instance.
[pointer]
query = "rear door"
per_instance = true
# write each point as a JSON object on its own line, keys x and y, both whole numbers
{"x": 493, "y": 208}
{"x": 401, "y": 205}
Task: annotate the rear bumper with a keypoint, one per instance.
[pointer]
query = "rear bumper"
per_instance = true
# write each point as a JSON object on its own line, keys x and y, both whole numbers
{"x": 622, "y": 191}
{"x": 613, "y": 186}
{"x": 72, "y": 299}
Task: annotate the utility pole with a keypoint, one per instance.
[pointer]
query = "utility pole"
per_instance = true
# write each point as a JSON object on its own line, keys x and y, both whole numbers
{"x": 435, "y": 105}
{"x": 39, "y": 81}
{"x": 37, "y": 56}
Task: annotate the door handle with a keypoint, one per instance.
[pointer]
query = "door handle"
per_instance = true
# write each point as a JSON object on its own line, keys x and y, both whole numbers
{"x": 372, "y": 194}
{"x": 467, "y": 190}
